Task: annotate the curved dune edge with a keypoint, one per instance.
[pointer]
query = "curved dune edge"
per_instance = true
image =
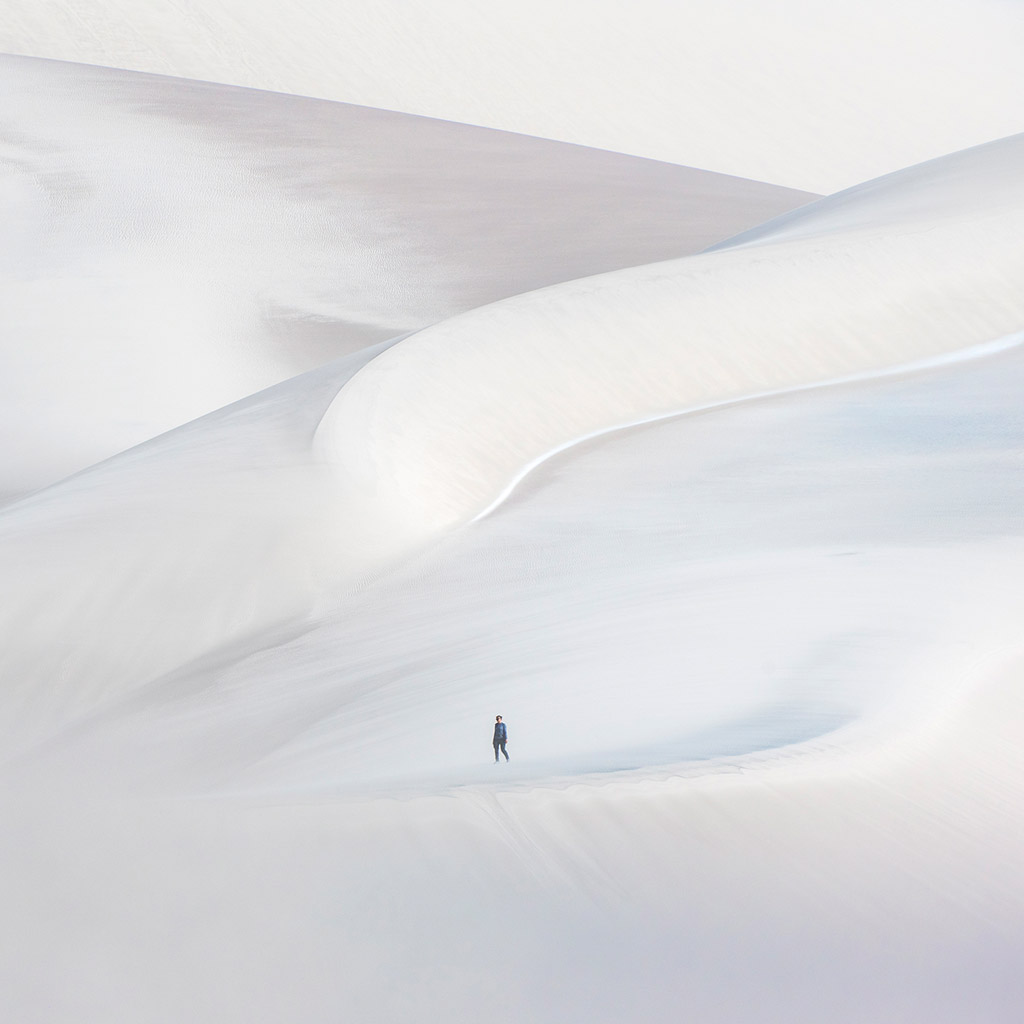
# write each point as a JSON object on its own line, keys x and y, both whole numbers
{"x": 960, "y": 355}
{"x": 173, "y": 246}
{"x": 429, "y": 434}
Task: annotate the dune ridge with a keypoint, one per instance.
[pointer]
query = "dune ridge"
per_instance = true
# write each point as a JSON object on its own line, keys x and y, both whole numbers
{"x": 429, "y": 433}
{"x": 274, "y": 234}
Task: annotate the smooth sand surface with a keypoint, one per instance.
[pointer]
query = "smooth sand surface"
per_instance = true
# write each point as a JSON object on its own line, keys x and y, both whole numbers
{"x": 732, "y": 541}
{"x": 758, "y": 669}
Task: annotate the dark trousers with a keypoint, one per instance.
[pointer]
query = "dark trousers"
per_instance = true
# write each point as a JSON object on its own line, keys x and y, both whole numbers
{"x": 500, "y": 745}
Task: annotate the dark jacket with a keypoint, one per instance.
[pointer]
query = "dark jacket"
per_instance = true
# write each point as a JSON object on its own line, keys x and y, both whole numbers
{"x": 500, "y": 733}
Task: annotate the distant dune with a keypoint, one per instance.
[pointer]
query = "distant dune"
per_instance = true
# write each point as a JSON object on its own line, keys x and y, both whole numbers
{"x": 810, "y": 95}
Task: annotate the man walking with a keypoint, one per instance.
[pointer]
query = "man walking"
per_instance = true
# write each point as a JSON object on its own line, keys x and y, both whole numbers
{"x": 500, "y": 737}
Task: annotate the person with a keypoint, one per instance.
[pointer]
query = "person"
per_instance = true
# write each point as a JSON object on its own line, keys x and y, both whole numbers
{"x": 500, "y": 738}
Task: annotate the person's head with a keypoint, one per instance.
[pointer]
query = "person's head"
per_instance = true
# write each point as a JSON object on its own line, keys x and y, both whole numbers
{"x": 497, "y": 718}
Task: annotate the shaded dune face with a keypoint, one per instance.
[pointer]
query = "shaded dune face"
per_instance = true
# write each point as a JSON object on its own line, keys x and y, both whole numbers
{"x": 173, "y": 246}
{"x": 431, "y": 432}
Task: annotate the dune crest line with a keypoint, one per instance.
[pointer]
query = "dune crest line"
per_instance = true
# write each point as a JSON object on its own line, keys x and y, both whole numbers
{"x": 961, "y": 355}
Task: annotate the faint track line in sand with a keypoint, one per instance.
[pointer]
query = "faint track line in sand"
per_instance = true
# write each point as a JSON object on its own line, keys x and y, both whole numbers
{"x": 972, "y": 352}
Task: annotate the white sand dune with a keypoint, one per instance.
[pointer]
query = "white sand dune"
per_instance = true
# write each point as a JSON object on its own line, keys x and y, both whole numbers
{"x": 924, "y": 262}
{"x": 808, "y": 94}
{"x": 174, "y": 246}
{"x": 732, "y": 540}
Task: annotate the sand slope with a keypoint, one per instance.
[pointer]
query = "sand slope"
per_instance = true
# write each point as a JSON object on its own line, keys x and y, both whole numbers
{"x": 174, "y": 246}
{"x": 432, "y": 431}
